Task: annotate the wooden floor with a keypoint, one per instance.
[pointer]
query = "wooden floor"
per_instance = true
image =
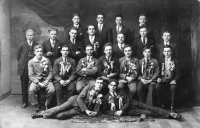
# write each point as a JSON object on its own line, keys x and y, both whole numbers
{"x": 13, "y": 116}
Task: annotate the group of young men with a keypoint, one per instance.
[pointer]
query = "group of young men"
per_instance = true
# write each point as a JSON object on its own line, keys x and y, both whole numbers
{"x": 114, "y": 71}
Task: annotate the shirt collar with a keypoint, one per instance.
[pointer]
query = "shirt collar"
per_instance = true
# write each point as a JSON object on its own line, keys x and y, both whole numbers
{"x": 36, "y": 60}
{"x": 166, "y": 43}
{"x": 30, "y": 42}
{"x": 52, "y": 41}
{"x": 112, "y": 93}
{"x": 168, "y": 58}
{"x": 76, "y": 25}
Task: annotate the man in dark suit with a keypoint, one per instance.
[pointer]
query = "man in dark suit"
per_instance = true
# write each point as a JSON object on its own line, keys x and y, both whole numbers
{"x": 103, "y": 32}
{"x": 81, "y": 32}
{"x": 166, "y": 41}
{"x": 141, "y": 42}
{"x": 129, "y": 70}
{"x": 24, "y": 54}
{"x": 51, "y": 47}
{"x": 76, "y": 48}
{"x": 64, "y": 73}
{"x": 142, "y": 22}
{"x": 108, "y": 66}
{"x": 169, "y": 76}
{"x": 149, "y": 72}
{"x": 94, "y": 41}
{"x": 86, "y": 69}
{"x": 117, "y": 103}
{"x": 118, "y": 49}
{"x": 120, "y": 28}
{"x": 88, "y": 101}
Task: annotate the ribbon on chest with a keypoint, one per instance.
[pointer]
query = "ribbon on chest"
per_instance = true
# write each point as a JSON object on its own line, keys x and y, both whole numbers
{"x": 65, "y": 67}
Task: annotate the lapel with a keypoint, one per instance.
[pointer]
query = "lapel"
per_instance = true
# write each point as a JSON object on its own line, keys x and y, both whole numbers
{"x": 123, "y": 29}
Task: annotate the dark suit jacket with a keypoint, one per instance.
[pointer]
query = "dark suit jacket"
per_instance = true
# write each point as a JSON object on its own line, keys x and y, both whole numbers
{"x": 125, "y": 30}
{"x": 101, "y": 66}
{"x": 68, "y": 75}
{"x": 154, "y": 74}
{"x": 105, "y": 35}
{"x": 117, "y": 53}
{"x": 99, "y": 52}
{"x": 135, "y": 33}
{"x": 91, "y": 73}
{"x": 81, "y": 33}
{"x": 48, "y": 48}
{"x": 138, "y": 47}
{"x": 175, "y": 72}
{"x": 106, "y": 105}
{"x": 79, "y": 46}
{"x": 159, "y": 51}
{"x": 125, "y": 68}
{"x": 22, "y": 53}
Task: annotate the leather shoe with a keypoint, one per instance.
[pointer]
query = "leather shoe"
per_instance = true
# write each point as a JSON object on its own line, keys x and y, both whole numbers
{"x": 24, "y": 105}
{"x": 173, "y": 109}
{"x": 36, "y": 115}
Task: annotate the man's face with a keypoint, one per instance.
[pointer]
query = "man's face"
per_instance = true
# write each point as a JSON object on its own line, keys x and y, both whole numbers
{"x": 112, "y": 86}
{"x": 89, "y": 50}
{"x": 38, "y": 52}
{"x": 128, "y": 52}
{"x": 120, "y": 38}
{"x": 98, "y": 84}
{"x": 147, "y": 53}
{"x": 143, "y": 32}
{"x": 100, "y": 19}
{"x": 166, "y": 37}
{"x": 91, "y": 30}
{"x": 118, "y": 21}
{"x": 73, "y": 34}
{"x": 29, "y": 35}
{"x": 142, "y": 20}
{"x": 76, "y": 20}
{"x": 108, "y": 51}
{"x": 53, "y": 35}
{"x": 167, "y": 52}
{"x": 64, "y": 51}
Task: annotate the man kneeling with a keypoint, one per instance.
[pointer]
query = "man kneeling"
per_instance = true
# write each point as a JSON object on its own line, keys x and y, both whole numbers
{"x": 116, "y": 102}
{"x": 88, "y": 101}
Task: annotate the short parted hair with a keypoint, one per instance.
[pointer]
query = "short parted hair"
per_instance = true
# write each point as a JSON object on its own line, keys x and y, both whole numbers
{"x": 73, "y": 28}
{"x": 168, "y": 46}
{"x": 146, "y": 47}
{"x": 89, "y": 45}
{"x": 100, "y": 13}
{"x": 143, "y": 26}
{"x": 99, "y": 78}
{"x": 91, "y": 25}
{"x": 30, "y": 30}
{"x": 128, "y": 45}
{"x": 142, "y": 14}
{"x": 166, "y": 32}
{"x": 119, "y": 15}
{"x": 64, "y": 46}
{"x": 37, "y": 47}
{"x": 75, "y": 14}
{"x": 120, "y": 33}
{"x": 107, "y": 44}
{"x": 53, "y": 29}
{"x": 113, "y": 80}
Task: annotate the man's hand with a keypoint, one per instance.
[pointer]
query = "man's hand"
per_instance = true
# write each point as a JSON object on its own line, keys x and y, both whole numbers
{"x": 62, "y": 82}
{"x": 67, "y": 82}
{"x": 45, "y": 83}
{"x": 41, "y": 84}
{"x": 78, "y": 52}
{"x": 118, "y": 113}
{"x": 158, "y": 80}
{"x": 88, "y": 112}
{"x": 105, "y": 78}
{"x": 49, "y": 53}
{"x": 173, "y": 82}
{"x": 84, "y": 69}
{"x": 111, "y": 75}
{"x": 148, "y": 81}
{"x": 143, "y": 81}
{"x": 129, "y": 79}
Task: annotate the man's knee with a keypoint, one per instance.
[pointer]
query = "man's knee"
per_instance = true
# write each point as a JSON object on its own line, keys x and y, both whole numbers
{"x": 173, "y": 87}
{"x": 33, "y": 88}
{"x": 50, "y": 88}
{"x": 79, "y": 86}
{"x": 72, "y": 86}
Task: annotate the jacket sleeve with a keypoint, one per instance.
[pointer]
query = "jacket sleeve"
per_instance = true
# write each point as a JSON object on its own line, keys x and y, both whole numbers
{"x": 116, "y": 68}
{"x": 73, "y": 71}
{"x": 19, "y": 51}
{"x": 50, "y": 75}
{"x": 125, "y": 102}
{"x": 81, "y": 98}
{"x": 31, "y": 73}
{"x": 156, "y": 71}
{"x": 79, "y": 68}
{"x": 56, "y": 71}
{"x": 44, "y": 50}
{"x": 106, "y": 106}
{"x": 177, "y": 76}
{"x": 121, "y": 75}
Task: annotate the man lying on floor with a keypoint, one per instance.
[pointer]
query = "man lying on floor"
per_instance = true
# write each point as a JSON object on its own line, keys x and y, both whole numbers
{"x": 117, "y": 103}
{"x": 88, "y": 101}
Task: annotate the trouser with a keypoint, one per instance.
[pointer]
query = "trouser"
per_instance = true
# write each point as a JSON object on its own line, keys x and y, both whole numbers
{"x": 145, "y": 92}
{"x": 82, "y": 83}
{"x": 64, "y": 111}
{"x": 132, "y": 87}
{"x": 138, "y": 108}
{"x": 161, "y": 87}
{"x": 34, "y": 88}
{"x": 24, "y": 84}
{"x": 71, "y": 88}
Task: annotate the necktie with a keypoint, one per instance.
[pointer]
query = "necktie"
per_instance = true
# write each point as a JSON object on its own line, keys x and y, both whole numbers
{"x": 143, "y": 41}
{"x": 99, "y": 27}
{"x": 73, "y": 42}
{"x": 117, "y": 28}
